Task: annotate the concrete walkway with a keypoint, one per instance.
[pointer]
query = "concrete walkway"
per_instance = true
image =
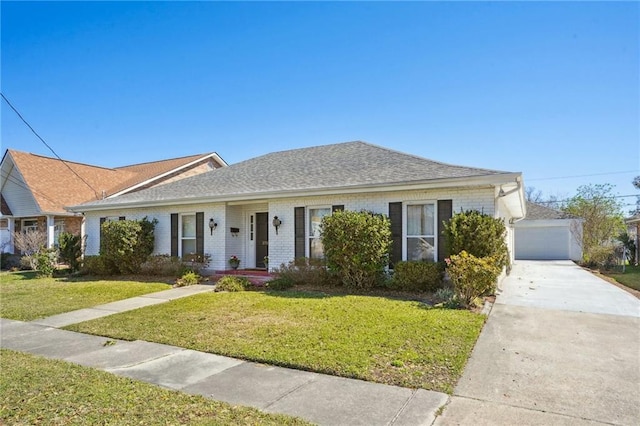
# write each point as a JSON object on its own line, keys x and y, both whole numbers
{"x": 561, "y": 347}
{"x": 319, "y": 398}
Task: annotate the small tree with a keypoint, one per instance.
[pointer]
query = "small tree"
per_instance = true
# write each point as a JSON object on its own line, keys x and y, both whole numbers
{"x": 30, "y": 241}
{"x": 356, "y": 246}
{"x": 70, "y": 246}
{"x": 603, "y": 219}
{"x": 127, "y": 244}
{"x": 479, "y": 235}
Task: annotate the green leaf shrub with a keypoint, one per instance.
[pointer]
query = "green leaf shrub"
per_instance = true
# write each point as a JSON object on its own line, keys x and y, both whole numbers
{"x": 233, "y": 283}
{"x": 303, "y": 271}
{"x": 188, "y": 278}
{"x": 164, "y": 265}
{"x": 472, "y": 276}
{"x": 417, "y": 276}
{"x": 70, "y": 247}
{"x": 96, "y": 265}
{"x": 356, "y": 247}
{"x": 127, "y": 244}
{"x": 45, "y": 261}
{"x": 479, "y": 235}
{"x": 280, "y": 284}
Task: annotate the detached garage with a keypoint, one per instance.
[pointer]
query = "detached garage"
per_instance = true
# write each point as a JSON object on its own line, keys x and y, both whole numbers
{"x": 548, "y": 234}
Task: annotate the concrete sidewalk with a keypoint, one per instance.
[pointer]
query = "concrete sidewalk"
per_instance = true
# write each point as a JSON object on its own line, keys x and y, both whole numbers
{"x": 319, "y": 398}
{"x": 561, "y": 347}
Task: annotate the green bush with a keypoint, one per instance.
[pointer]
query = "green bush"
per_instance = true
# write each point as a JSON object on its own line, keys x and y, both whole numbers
{"x": 356, "y": 247}
{"x": 127, "y": 244}
{"x": 471, "y": 276}
{"x": 96, "y": 265}
{"x": 417, "y": 276}
{"x": 280, "y": 284}
{"x": 70, "y": 246}
{"x": 164, "y": 265}
{"x": 9, "y": 261}
{"x": 45, "y": 261}
{"x": 479, "y": 235}
{"x": 233, "y": 283}
{"x": 600, "y": 257}
{"x": 196, "y": 262}
{"x": 304, "y": 271}
{"x": 189, "y": 278}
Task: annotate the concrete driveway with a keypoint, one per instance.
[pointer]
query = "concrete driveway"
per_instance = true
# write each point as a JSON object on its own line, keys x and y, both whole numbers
{"x": 560, "y": 347}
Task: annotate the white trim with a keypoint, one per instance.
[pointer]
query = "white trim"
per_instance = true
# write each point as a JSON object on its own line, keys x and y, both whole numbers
{"x": 307, "y": 226}
{"x": 477, "y": 182}
{"x": 180, "y": 238}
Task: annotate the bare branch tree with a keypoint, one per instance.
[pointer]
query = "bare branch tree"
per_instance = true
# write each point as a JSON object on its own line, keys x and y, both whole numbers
{"x": 29, "y": 242}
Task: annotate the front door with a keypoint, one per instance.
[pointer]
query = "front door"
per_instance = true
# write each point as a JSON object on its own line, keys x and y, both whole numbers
{"x": 262, "y": 238}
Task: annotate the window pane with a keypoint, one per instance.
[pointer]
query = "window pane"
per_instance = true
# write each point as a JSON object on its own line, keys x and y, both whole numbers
{"x": 421, "y": 249}
{"x": 315, "y": 220}
{"x": 188, "y": 247}
{"x": 188, "y": 226}
{"x": 420, "y": 219}
{"x": 316, "y": 249}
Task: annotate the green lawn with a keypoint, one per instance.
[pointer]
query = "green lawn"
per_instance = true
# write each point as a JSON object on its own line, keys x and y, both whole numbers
{"x": 630, "y": 278}
{"x": 371, "y": 338}
{"x": 36, "y": 390}
{"x": 25, "y": 297}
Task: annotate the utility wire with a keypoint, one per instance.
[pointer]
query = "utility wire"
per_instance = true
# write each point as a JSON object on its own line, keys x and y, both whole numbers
{"x": 22, "y": 185}
{"x": 47, "y": 145}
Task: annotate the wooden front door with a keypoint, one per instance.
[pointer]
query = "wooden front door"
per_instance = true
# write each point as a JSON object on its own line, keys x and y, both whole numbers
{"x": 262, "y": 238}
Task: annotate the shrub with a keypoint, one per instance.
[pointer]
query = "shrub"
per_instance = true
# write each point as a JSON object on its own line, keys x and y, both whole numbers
{"x": 9, "y": 261}
{"x": 600, "y": 257}
{"x": 189, "y": 278}
{"x": 127, "y": 244}
{"x": 164, "y": 265}
{"x": 472, "y": 276}
{"x": 303, "y": 271}
{"x": 356, "y": 247}
{"x": 28, "y": 262}
{"x": 232, "y": 283}
{"x": 45, "y": 261}
{"x": 417, "y": 276}
{"x": 96, "y": 265}
{"x": 479, "y": 235}
{"x": 446, "y": 298}
{"x": 70, "y": 246}
{"x": 29, "y": 242}
{"x": 196, "y": 262}
{"x": 280, "y": 284}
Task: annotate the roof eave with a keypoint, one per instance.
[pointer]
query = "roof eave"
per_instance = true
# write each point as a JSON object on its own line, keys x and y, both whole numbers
{"x": 474, "y": 181}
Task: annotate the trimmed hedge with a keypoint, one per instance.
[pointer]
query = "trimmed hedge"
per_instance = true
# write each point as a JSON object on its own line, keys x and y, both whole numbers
{"x": 417, "y": 276}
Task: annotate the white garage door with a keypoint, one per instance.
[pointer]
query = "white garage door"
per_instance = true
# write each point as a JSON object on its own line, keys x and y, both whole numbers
{"x": 543, "y": 243}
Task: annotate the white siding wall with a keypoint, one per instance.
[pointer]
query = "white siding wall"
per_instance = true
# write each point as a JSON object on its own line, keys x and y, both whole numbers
{"x": 17, "y": 195}
{"x": 281, "y": 247}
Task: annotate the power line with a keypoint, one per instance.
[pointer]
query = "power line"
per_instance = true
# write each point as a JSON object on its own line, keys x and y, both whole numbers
{"x": 593, "y": 174}
{"x": 47, "y": 145}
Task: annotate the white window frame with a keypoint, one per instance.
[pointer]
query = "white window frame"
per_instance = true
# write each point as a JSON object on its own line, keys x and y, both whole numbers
{"x": 405, "y": 227}
{"x": 308, "y": 236}
{"x": 58, "y": 228}
{"x": 24, "y": 227}
{"x": 181, "y": 237}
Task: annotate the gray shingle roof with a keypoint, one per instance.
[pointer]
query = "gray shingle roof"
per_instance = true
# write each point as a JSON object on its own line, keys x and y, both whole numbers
{"x": 349, "y": 164}
{"x": 538, "y": 212}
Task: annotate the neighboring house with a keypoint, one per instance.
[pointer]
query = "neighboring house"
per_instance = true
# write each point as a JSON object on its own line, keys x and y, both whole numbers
{"x": 35, "y": 189}
{"x": 234, "y": 210}
{"x": 548, "y": 234}
{"x": 633, "y": 229}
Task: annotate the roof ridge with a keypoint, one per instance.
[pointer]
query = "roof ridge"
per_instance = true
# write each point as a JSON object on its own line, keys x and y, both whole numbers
{"x": 166, "y": 159}
{"x": 12, "y": 151}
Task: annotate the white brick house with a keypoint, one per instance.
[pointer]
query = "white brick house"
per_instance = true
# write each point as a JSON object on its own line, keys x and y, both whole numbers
{"x": 300, "y": 187}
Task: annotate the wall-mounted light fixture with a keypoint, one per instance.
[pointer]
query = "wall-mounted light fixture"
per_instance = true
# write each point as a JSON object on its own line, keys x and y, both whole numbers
{"x": 276, "y": 223}
{"x": 212, "y": 225}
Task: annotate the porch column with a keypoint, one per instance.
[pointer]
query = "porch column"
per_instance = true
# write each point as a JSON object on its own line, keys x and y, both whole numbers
{"x": 51, "y": 229}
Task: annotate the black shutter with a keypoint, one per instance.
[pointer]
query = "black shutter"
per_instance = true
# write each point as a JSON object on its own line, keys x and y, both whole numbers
{"x": 335, "y": 208}
{"x": 445, "y": 212}
{"x": 299, "y": 232}
{"x": 174, "y": 234}
{"x": 200, "y": 233}
{"x": 395, "y": 216}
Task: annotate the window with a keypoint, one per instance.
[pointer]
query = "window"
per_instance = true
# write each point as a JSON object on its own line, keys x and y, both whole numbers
{"x": 421, "y": 219}
{"x": 4, "y": 223}
{"x": 188, "y": 234}
{"x": 316, "y": 249}
{"x": 58, "y": 228}
{"x": 29, "y": 225}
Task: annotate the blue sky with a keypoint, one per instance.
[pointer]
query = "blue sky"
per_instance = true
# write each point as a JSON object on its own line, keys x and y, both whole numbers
{"x": 551, "y": 89}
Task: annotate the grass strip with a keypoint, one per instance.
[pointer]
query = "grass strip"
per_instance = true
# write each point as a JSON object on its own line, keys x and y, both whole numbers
{"x": 35, "y": 390}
